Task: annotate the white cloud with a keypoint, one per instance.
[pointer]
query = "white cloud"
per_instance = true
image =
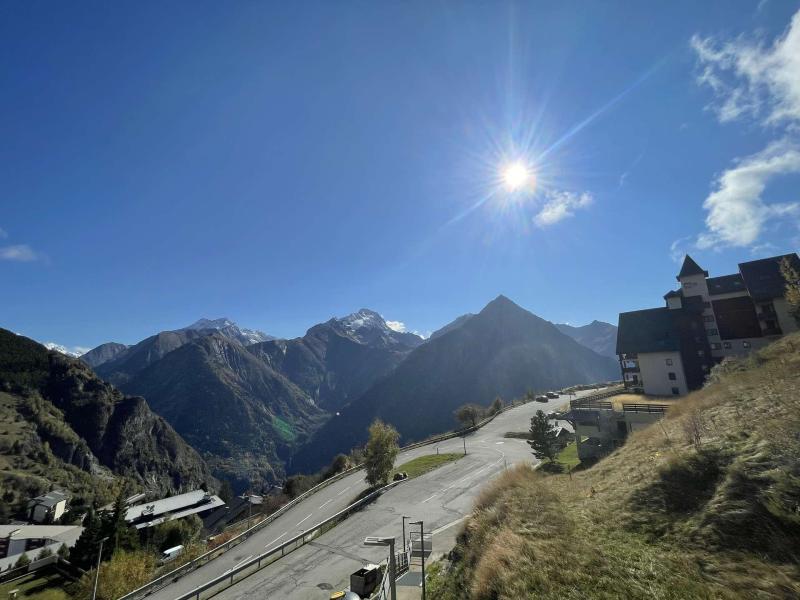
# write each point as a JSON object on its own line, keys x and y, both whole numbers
{"x": 678, "y": 248}
{"x": 561, "y": 205}
{"x": 753, "y": 78}
{"x": 737, "y": 214}
{"x": 397, "y": 326}
{"x": 19, "y": 253}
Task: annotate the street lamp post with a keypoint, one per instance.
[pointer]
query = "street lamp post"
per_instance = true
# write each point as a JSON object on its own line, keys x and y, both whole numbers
{"x": 386, "y": 541}
{"x": 422, "y": 548}
{"x": 97, "y": 571}
{"x": 405, "y": 551}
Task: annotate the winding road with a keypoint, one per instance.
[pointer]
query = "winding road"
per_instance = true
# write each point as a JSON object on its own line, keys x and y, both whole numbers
{"x": 441, "y": 498}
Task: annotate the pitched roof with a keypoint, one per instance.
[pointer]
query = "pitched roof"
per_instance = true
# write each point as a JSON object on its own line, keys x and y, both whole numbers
{"x": 49, "y": 499}
{"x": 673, "y": 294}
{"x": 690, "y": 267}
{"x": 763, "y": 277}
{"x": 650, "y": 330}
{"x": 725, "y": 284}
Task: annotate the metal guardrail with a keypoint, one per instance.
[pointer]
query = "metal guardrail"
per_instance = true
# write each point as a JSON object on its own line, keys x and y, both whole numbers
{"x": 172, "y": 576}
{"x": 645, "y": 408}
{"x": 246, "y": 569}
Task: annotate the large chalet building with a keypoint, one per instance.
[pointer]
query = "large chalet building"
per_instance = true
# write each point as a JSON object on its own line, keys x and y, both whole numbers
{"x": 668, "y": 351}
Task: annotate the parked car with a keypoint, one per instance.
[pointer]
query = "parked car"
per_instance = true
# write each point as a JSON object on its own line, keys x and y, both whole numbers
{"x": 171, "y": 554}
{"x": 552, "y": 395}
{"x": 399, "y": 476}
{"x": 541, "y": 398}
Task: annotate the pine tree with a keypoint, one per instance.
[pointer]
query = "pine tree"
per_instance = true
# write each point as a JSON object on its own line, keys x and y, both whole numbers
{"x": 543, "y": 437}
{"x": 84, "y": 552}
{"x": 120, "y": 535}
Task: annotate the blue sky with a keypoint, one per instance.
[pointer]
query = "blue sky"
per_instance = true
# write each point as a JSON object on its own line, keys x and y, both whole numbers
{"x": 282, "y": 163}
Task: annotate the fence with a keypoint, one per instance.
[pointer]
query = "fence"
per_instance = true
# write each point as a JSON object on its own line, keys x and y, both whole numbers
{"x": 594, "y": 401}
{"x": 645, "y": 408}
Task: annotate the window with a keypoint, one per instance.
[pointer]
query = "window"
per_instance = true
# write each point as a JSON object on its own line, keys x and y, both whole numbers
{"x": 727, "y": 345}
{"x": 712, "y": 332}
{"x": 675, "y": 391}
{"x": 669, "y": 362}
{"x": 689, "y": 284}
{"x": 672, "y": 376}
{"x": 716, "y": 346}
{"x": 701, "y": 353}
{"x": 708, "y": 319}
{"x": 745, "y": 344}
{"x": 707, "y": 304}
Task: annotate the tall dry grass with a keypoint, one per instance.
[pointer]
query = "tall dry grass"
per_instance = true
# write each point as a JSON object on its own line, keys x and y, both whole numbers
{"x": 704, "y": 504}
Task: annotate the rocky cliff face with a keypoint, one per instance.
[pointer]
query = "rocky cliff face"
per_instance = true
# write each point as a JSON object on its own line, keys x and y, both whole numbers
{"x": 103, "y": 353}
{"x": 89, "y": 424}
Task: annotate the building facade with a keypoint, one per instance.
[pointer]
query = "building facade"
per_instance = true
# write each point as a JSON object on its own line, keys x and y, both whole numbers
{"x": 668, "y": 351}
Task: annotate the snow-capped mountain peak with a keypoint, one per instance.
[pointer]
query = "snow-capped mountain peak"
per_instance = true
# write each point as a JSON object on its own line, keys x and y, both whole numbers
{"x": 368, "y": 327}
{"x": 228, "y": 328}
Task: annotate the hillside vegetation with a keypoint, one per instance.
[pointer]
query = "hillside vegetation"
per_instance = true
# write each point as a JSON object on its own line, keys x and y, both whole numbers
{"x": 61, "y": 426}
{"x": 705, "y": 504}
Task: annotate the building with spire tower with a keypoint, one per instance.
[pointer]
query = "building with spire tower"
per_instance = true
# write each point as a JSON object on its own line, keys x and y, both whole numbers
{"x": 668, "y": 351}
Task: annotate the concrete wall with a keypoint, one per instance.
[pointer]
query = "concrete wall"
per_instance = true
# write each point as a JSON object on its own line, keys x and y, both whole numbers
{"x": 655, "y": 373}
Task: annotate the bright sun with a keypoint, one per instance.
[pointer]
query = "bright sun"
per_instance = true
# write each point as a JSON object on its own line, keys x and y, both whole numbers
{"x": 516, "y": 176}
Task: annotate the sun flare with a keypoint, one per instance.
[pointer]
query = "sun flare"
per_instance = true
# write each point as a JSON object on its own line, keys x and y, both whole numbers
{"x": 516, "y": 176}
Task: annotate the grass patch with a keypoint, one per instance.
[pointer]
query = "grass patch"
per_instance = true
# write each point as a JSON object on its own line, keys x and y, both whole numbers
{"x": 44, "y": 584}
{"x": 424, "y": 464}
{"x": 703, "y": 505}
{"x": 283, "y": 428}
{"x": 568, "y": 457}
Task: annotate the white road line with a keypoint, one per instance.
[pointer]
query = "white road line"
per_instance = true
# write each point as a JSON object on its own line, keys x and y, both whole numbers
{"x": 426, "y": 499}
{"x": 344, "y": 490}
{"x": 328, "y": 502}
{"x": 304, "y": 520}
{"x": 276, "y": 539}
{"x": 448, "y": 526}
{"x": 244, "y": 560}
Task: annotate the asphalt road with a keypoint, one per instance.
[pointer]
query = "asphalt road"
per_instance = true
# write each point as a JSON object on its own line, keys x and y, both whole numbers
{"x": 440, "y": 498}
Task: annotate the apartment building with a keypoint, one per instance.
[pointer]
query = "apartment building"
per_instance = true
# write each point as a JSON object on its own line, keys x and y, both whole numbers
{"x": 668, "y": 351}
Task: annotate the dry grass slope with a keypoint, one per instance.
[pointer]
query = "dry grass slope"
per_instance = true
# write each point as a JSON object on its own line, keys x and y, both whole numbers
{"x": 705, "y": 504}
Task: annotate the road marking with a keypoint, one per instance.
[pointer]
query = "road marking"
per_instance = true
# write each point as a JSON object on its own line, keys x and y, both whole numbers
{"x": 498, "y": 443}
{"x": 276, "y": 539}
{"x": 304, "y": 520}
{"x": 241, "y": 562}
{"x": 426, "y": 499}
{"x": 344, "y": 490}
{"x": 328, "y": 502}
{"x": 448, "y": 526}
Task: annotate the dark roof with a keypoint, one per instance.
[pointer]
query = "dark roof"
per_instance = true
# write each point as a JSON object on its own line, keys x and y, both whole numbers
{"x": 690, "y": 268}
{"x": 725, "y": 284}
{"x": 650, "y": 330}
{"x": 763, "y": 277}
{"x": 49, "y": 499}
{"x": 673, "y": 294}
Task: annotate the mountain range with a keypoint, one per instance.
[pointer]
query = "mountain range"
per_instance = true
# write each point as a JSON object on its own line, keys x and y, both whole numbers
{"x": 257, "y": 408}
{"x": 64, "y": 426}
{"x": 502, "y": 351}
{"x": 597, "y": 335}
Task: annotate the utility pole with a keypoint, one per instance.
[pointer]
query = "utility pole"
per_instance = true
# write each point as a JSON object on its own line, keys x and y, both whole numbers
{"x": 97, "y": 571}
{"x": 422, "y": 547}
{"x": 405, "y": 550}
{"x": 464, "y": 439}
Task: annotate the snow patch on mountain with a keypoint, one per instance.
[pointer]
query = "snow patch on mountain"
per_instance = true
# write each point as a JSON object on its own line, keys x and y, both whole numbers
{"x": 73, "y": 351}
{"x": 228, "y": 328}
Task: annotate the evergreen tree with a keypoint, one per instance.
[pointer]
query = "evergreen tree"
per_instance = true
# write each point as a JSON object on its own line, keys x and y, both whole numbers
{"x": 543, "y": 437}
{"x": 84, "y": 552}
{"x": 120, "y": 535}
